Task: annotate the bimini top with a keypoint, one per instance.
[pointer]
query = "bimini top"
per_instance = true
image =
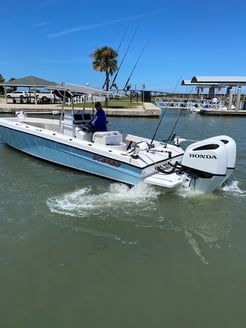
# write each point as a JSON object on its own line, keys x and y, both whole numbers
{"x": 78, "y": 90}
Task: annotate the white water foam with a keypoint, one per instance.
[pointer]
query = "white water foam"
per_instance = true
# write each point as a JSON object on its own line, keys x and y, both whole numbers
{"x": 86, "y": 201}
{"x": 195, "y": 246}
{"x": 232, "y": 187}
{"x": 115, "y": 200}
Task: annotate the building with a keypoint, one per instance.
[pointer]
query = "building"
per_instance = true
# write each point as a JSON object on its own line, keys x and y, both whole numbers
{"x": 219, "y": 86}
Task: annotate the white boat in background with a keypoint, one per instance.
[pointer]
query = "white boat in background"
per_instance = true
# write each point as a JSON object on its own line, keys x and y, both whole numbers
{"x": 213, "y": 104}
{"x": 204, "y": 166}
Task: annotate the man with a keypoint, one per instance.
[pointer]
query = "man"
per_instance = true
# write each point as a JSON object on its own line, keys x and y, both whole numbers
{"x": 99, "y": 121}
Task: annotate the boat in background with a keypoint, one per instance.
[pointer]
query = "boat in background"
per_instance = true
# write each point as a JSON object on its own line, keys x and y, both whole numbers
{"x": 203, "y": 166}
{"x": 209, "y": 105}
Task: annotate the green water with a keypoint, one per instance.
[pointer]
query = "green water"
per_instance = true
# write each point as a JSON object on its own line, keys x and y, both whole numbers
{"x": 81, "y": 251}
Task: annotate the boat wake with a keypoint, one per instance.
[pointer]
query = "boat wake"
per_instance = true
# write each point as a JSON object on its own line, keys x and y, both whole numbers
{"x": 89, "y": 201}
{"x": 123, "y": 214}
{"x": 118, "y": 205}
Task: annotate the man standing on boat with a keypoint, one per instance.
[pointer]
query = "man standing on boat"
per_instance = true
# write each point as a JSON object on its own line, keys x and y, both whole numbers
{"x": 99, "y": 121}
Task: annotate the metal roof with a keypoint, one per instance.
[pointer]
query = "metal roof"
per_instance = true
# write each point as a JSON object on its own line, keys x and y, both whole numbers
{"x": 221, "y": 80}
{"x": 188, "y": 82}
{"x": 78, "y": 89}
{"x": 28, "y": 81}
{"x": 32, "y": 81}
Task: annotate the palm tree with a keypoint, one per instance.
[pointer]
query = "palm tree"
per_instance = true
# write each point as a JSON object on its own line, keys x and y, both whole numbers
{"x": 105, "y": 60}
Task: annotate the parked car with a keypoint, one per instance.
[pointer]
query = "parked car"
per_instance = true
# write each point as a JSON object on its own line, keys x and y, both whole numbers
{"x": 47, "y": 98}
{"x": 16, "y": 94}
{"x": 21, "y": 94}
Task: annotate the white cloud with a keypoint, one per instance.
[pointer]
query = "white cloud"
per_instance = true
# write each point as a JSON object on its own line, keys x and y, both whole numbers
{"x": 94, "y": 26}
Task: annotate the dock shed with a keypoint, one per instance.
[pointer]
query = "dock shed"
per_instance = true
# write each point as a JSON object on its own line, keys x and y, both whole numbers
{"x": 29, "y": 82}
{"x": 215, "y": 85}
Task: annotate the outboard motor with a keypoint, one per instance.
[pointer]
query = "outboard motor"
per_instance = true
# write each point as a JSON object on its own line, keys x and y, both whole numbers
{"x": 210, "y": 162}
{"x": 231, "y": 152}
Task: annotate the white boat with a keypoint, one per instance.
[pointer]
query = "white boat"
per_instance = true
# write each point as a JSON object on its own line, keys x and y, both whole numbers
{"x": 208, "y": 106}
{"x": 204, "y": 166}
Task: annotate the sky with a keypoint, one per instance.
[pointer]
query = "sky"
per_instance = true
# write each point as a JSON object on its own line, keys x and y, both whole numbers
{"x": 160, "y": 42}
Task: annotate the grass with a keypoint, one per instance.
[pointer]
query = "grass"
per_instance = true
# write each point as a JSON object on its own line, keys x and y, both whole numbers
{"x": 115, "y": 103}
{"x": 123, "y": 102}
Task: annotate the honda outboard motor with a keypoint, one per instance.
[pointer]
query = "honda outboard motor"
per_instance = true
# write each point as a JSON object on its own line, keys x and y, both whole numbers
{"x": 231, "y": 151}
{"x": 210, "y": 162}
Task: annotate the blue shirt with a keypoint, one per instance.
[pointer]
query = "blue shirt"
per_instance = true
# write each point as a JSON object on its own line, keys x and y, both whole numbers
{"x": 99, "y": 121}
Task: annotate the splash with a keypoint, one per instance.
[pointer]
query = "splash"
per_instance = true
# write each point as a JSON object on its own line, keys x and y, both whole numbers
{"x": 232, "y": 187}
{"x": 88, "y": 201}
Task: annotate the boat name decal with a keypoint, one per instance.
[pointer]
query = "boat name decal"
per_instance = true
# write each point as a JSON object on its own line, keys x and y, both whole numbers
{"x": 106, "y": 160}
{"x": 204, "y": 156}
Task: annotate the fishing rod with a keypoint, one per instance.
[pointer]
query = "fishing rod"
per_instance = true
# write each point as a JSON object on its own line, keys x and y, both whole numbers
{"x": 163, "y": 113}
{"x": 171, "y": 135}
{"x": 157, "y": 128}
{"x": 123, "y": 37}
{"x": 134, "y": 67}
{"x": 124, "y": 57}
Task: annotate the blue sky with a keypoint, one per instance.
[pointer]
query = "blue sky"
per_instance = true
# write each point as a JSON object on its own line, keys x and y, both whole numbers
{"x": 160, "y": 42}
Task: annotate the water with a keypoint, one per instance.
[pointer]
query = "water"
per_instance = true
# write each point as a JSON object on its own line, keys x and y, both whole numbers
{"x": 81, "y": 251}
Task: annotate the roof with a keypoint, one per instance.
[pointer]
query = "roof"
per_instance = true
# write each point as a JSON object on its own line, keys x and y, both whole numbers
{"x": 32, "y": 81}
{"x": 78, "y": 89}
{"x": 215, "y": 81}
{"x": 28, "y": 81}
{"x": 219, "y": 79}
{"x": 200, "y": 84}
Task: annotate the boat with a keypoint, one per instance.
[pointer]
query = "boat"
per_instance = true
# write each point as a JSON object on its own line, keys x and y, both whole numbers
{"x": 202, "y": 166}
{"x": 208, "y": 106}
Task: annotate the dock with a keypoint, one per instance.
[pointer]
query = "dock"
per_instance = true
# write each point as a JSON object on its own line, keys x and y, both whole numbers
{"x": 227, "y": 112}
{"x": 143, "y": 110}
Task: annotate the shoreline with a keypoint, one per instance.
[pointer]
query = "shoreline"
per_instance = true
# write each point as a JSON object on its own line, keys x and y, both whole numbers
{"x": 144, "y": 110}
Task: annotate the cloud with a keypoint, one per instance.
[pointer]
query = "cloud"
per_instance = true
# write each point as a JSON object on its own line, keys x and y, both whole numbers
{"x": 94, "y": 26}
{"x": 41, "y": 24}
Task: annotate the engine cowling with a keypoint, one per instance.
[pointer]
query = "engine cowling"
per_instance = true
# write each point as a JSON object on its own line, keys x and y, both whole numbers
{"x": 209, "y": 156}
{"x": 231, "y": 150}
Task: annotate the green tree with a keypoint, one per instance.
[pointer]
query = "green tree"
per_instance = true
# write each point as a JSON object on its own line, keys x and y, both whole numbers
{"x": 105, "y": 59}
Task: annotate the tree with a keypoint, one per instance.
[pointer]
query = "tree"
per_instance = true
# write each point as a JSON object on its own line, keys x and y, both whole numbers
{"x": 105, "y": 59}
{"x": 1, "y": 87}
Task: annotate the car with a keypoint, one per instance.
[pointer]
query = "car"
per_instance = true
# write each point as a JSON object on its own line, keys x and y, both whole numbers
{"x": 47, "y": 98}
{"x": 17, "y": 94}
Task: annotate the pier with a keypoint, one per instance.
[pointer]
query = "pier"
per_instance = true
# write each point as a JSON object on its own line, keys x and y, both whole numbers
{"x": 143, "y": 110}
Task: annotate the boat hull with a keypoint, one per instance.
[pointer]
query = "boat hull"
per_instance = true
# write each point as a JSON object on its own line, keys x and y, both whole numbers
{"x": 60, "y": 153}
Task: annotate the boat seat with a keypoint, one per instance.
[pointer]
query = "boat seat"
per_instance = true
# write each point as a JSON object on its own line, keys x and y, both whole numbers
{"x": 107, "y": 138}
{"x": 82, "y": 135}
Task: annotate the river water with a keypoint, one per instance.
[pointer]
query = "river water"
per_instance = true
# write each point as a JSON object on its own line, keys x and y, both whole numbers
{"x": 80, "y": 251}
